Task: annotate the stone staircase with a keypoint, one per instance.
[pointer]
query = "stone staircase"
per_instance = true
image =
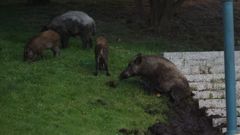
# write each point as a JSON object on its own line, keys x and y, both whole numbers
{"x": 205, "y": 73}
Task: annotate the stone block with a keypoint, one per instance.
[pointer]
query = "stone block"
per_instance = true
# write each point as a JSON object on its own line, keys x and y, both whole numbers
{"x": 218, "y": 121}
{"x": 219, "y": 111}
{"x": 209, "y": 94}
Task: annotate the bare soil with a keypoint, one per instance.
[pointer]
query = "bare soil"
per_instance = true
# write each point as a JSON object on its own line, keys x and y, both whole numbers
{"x": 200, "y": 22}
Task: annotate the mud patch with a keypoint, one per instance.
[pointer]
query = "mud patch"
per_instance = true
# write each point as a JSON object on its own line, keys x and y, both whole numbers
{"x": 185, "y": 119}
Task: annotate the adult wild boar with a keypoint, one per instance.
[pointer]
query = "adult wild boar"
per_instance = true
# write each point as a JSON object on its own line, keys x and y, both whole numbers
{"x": 158, "y": 74}
{"x": 101, "y": 55}
{"x": 46, "y": 40}
{"x": 72, "y": 24}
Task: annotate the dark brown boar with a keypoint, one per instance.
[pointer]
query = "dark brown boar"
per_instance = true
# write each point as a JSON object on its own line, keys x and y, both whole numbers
{"x": 45, "y": 40}
{"x": 159, "y": 75}
{"x": 101, "y": 55}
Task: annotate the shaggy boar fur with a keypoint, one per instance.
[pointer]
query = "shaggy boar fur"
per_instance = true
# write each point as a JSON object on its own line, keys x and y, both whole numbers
{"x": 37, "y": 44}
{"x": 159, "y": 75}
{"x": 72, "y": 24}
{"x": 101, "y": 55}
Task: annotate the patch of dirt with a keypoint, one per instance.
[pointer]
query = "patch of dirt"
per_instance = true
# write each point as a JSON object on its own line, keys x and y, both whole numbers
{"x": 186, "y": 119}
{"x": 199, "y": 23}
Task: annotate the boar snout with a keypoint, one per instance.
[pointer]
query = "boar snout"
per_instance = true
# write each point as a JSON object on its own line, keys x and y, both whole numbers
{"x": 124, "y": 75}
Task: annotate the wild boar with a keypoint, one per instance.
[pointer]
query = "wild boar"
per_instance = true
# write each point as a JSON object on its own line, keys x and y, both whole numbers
{"x": 101, "y": 55}
{"x": 159, "y": 75}
{"x": 46, "y": 40}
{"x": 73, "y": 24}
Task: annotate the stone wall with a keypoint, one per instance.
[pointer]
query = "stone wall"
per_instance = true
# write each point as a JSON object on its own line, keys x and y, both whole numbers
{"x": 205, "y": 73}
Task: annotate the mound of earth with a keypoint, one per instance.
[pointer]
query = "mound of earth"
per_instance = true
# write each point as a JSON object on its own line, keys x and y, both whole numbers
{"x": 186, "y": 119}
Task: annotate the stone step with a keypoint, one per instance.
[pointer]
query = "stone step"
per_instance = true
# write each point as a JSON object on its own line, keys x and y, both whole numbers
{"x": 209, "y": 94}
{"x": 210, "y": 55}
{"x": 201, "y": 86}
{"x": 218, "y": 121}
{"x": 220, "y": 111}
{"x": 204, "y": 69}
{"x": 201, "y": 62}
{"x": 224, "y": 130}
{"x": 212, "y": 94}
{"x": 194, "y": 55}
{"x": 214, "y": 103}
{"x": 209, "y": 77}
{"x": 212, "y": 78}
{"x": 206, "y": 78}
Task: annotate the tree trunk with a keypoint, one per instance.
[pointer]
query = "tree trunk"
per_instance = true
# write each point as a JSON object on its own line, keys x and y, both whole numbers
{"x": 38, "y": 2}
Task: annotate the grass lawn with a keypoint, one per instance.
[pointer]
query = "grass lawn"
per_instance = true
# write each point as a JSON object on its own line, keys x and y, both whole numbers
{"x": 60, "y": 96}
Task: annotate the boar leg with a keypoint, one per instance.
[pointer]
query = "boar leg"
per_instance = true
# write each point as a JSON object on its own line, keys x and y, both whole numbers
{"x": 56, "y": 51}
{"x": 39, "y": 54}
{"x": 85, "y": 42}
{"x": 107, "y": 71}
{"x": 97, "y": 66}
{"x": 36, "y": 56}
{"x": 88, "y": 37}
{"x": 90, "y": 43}
{"x": 64, "y": 41}
{"x": 106, "y": 68}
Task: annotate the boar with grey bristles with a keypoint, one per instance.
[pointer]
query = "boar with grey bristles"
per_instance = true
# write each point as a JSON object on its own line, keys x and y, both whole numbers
{"x": 73, "y": 24}
{"x": 160, "y": 75}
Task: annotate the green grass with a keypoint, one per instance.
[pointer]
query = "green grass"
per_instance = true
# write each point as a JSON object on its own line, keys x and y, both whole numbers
{"x": 60, "y": 96}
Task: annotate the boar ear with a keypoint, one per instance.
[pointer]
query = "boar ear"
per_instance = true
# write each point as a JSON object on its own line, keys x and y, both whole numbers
{"x": 138, "y": 60}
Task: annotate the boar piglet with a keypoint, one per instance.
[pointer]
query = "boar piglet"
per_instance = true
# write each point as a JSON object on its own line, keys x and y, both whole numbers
{"x": 101, "y": 55}
{"x": 160, "y": 75}
{"x": 73, "y": 24}
{"x": 46, "y": 40}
